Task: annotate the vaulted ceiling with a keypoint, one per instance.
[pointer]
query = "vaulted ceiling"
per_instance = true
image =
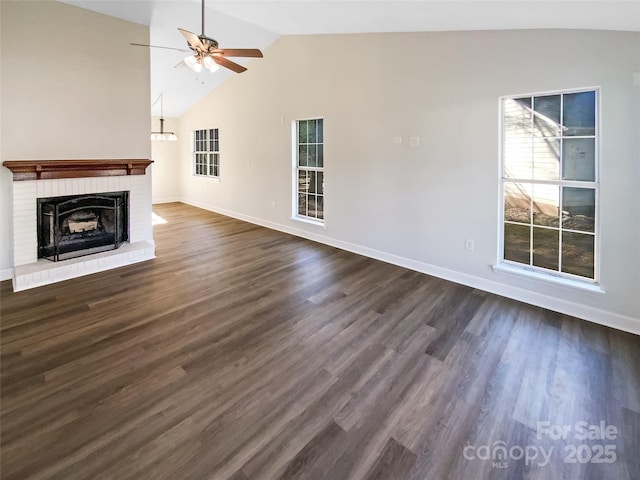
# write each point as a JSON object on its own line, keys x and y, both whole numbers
{"x": 257, "y": 23}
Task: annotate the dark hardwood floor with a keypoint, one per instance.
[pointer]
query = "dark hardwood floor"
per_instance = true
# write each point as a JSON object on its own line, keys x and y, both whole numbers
{"x": 244, "y": 353}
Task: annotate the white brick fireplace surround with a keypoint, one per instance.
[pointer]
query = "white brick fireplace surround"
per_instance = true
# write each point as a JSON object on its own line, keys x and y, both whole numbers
{"x": 29, "y": 271}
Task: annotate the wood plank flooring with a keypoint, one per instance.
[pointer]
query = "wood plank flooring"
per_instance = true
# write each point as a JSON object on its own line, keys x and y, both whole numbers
{"x": 243, "y": 353}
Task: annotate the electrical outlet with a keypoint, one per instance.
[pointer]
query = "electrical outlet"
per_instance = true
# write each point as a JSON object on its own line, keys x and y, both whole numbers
{"x": 468, "y": 244}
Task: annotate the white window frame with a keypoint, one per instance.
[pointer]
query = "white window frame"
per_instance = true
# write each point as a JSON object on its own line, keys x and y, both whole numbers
{"x": 210, "y": 154}
{"x": 531, "y": 270}
{"x": 296, "y": 169}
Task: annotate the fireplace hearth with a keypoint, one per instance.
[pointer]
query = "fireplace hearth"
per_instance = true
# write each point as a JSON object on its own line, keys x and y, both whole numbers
{"x": 77, "y": 225}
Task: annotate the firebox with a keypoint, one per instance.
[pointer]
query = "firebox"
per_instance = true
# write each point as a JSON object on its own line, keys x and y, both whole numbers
{"x": 78, "y": 225}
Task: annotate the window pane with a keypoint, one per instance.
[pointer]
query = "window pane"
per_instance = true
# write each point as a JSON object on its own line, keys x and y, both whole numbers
{"x": 214, "y": 162}
{"x": 517, "y": 156}
{"x": 320, "y": 206}
{"x": 546, "y": 122}
{"x": 302, "y": 204}
{"x": 517, "y": 116}
{"x": 578, "y": 254}
{"x": 546, "y": 205}
{"x": 312, "y": 155}
{"x": 546, "y": 159}
{"x": 302, "y": 131}
{"x": 201, "y": 164}
{"x": 579, "y": 159}
{"x": 312, "y": 182}
{"x": 517, "y": 202}
{"x": 578, "y": 209}
{"x": 579, "y": 115}
{"x": 311, "y": 131}
{"x": 303, "y": 181}
{"x": 311, "y": 206}
{"x": 320, "y": 183}
{"x": 319, "y": 130}
{"x": 200, "y": 134}
{"x": 546, "y": 248}
{"x": 302, "y": 155}
{"x": 517, "y": 243}
{"x": 320, "y": 156}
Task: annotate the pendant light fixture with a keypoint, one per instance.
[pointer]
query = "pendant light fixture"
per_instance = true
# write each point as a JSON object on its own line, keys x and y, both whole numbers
{"x": 162, "y": 135}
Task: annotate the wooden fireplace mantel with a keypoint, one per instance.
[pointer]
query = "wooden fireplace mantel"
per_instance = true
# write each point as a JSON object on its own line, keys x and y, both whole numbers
{"x": 50, "y": 169}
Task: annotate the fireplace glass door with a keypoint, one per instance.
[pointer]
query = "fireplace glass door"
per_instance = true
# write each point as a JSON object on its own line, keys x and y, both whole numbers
{"x": 78, "y": 225}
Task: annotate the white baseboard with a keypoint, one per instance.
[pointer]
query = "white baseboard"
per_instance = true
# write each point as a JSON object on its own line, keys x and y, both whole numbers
{"x": 6, "y": 274}
{"x": 165, "y": 200}
{"x": 602, "y": 317}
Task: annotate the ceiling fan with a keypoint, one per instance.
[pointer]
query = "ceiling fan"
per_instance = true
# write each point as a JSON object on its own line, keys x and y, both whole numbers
{"x": 206, "y": 52}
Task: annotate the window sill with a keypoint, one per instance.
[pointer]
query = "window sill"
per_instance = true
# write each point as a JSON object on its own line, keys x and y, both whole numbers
{"x": 309, "y": 221}
{"x": 208, "y": 177}
{"x": 547, "y": 277}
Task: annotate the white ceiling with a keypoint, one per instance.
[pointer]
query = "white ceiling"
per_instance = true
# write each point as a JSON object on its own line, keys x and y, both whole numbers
{"x": 257, "y": 23}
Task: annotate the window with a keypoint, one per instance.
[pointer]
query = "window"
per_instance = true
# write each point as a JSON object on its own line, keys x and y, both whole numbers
{"x": 309, "y": 170}
{"x": 206, "y": 153}
{"x": 550, "y": 183}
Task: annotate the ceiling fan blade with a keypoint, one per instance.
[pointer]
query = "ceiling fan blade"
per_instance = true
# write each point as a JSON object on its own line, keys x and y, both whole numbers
{"x": 238, "y": 52}
{"x": 158, "y": 46}
{"x": 228, "y": 64}
{"x": 193, "y": 39}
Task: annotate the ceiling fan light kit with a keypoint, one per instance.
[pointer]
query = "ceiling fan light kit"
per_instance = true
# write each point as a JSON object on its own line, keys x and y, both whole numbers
{"x": 210, "y": 64}
{"x": 193, "y": 63}
{"x": 196, "y": 62}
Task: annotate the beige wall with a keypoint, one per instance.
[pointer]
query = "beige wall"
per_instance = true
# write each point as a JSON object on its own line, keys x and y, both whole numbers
{"x": 416, "y": 206}
{"x": 165, "y": 184}
{"x": 72, "y": 87}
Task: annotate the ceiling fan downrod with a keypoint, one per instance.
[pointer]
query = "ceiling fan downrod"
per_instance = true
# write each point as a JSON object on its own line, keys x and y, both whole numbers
{"x": 202, "y": 18}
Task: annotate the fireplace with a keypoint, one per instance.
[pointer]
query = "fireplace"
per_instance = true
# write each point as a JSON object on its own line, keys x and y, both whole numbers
{"x": 77, "y": 225}
{"x": 108, "y": 234}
